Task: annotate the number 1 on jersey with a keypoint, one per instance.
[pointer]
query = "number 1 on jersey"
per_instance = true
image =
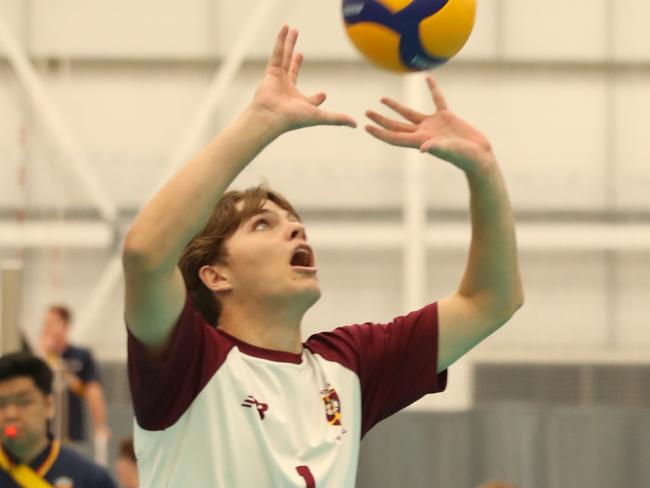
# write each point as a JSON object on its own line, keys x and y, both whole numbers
{"x": 306, "y": 474}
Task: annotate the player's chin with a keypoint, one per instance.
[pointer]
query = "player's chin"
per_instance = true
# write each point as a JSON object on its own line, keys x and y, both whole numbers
{"x": 309, "y": 293}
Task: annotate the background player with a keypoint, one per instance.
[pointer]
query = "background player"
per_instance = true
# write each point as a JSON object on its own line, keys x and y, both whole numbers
{"x": 80, "y": 372}
{"x": 29, "y": 456}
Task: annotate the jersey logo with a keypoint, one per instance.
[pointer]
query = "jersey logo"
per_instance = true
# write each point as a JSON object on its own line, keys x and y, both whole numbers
{"x": 259, "y": 406}
{"x": 332, "y": 405}
{"x": 63, "y": 482}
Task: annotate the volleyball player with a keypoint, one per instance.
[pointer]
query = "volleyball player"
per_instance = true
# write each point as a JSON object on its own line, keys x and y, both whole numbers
{"x": 225, "y": 392}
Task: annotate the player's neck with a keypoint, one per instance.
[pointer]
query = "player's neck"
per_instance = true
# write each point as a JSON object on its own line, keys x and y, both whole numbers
{"x": 270, "y": 326}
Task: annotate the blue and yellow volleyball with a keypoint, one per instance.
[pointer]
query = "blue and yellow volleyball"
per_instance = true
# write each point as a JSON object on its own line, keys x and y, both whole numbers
{"x": 409, "y": 35}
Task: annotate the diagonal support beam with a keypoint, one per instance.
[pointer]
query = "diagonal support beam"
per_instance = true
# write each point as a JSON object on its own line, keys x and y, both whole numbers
{"x": 259, "y": 18}
{"x": 222, "y": 79}
{"x": 54, "y": 122}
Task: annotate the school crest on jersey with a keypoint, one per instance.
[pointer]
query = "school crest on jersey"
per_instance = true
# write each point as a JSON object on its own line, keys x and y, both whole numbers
{"x": 332, "y": 405}
{"x": 63, "y": 482}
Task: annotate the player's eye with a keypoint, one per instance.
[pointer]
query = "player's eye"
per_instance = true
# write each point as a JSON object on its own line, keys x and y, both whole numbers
{"x": 21, "y": 402}
{"x": 24, "y": 401}
{"x": 261, "y": 224}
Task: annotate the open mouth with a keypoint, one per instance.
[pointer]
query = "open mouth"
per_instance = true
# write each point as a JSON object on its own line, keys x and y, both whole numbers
{"x": 302, "y": 257}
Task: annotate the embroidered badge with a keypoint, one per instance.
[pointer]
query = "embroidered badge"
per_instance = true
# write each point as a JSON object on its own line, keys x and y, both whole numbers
{"x": 332, "y": 405}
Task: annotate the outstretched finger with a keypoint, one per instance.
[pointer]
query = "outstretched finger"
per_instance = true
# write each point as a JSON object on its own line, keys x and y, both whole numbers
{"x": 278, "y": 49}
{"x": 402, "y": 139}
{"x": 321, "y": 117}
{"x": 289, "y": 45}
{"x": 409, "y": 114}
{"x": 438, "y": 97}
{"x": 317, "y": 99}
{"x": 296, "y": 63}
{"x": 389, "y": 124}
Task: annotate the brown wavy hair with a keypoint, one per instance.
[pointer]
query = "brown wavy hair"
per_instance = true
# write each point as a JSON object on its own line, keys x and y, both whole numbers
{"x": 208, "y": 246}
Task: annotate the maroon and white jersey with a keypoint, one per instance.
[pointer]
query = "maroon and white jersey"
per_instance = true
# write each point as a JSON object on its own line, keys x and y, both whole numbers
{"x": 217, "y": 412}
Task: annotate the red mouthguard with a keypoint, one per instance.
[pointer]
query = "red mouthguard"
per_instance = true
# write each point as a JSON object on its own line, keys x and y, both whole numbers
{"x": 11, "y": 431}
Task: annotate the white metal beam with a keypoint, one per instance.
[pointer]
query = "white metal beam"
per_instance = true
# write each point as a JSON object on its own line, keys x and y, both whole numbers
{"x": 52, "y": 119}
{"x": 566, "y": 236}
{"x": 69, "y": 235}
{"x": 579, "y": 236}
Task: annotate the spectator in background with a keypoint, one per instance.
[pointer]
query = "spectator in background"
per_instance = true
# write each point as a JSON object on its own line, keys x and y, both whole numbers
{"x": 29, "y": 456}
{"x": 80, "y": 373}
{"x": 126, "y": 466}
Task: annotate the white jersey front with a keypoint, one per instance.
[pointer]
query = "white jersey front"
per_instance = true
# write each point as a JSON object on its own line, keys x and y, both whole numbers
{"x": 217, "y": 412}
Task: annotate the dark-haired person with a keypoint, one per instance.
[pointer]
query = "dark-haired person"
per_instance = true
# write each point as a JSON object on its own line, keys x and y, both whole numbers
{"x": 225, "y": 392}
{"x": 29, "y": 456}
{"x": 80, "y": 372}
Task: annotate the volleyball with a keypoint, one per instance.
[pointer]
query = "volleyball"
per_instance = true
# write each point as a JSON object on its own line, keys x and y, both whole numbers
{"x": 409, "y": 35}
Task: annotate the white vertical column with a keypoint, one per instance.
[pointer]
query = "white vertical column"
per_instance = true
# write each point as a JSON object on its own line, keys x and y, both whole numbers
{"x": 458, "y": 395}
{"x": 414, "y": 211}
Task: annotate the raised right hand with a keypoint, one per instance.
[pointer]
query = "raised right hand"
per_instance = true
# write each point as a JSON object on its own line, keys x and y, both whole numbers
{"x": 279, "y": 99}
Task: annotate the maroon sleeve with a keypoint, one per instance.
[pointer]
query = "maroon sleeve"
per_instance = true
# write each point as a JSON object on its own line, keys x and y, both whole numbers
{"x": 396, "y": 362}
{"x": 163, "y": 389}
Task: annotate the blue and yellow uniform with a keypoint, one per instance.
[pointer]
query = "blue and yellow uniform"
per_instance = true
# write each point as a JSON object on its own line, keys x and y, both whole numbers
{"x": 55, "y": 467}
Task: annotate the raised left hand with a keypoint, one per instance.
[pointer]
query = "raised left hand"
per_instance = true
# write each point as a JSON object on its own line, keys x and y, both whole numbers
{"x": 441, "y": 133}
{"x": 278, "y": 96}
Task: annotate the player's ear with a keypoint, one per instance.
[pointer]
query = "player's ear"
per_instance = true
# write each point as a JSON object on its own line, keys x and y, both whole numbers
{"x": 215, "y": 277}
{"x": 49, "y": 406}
